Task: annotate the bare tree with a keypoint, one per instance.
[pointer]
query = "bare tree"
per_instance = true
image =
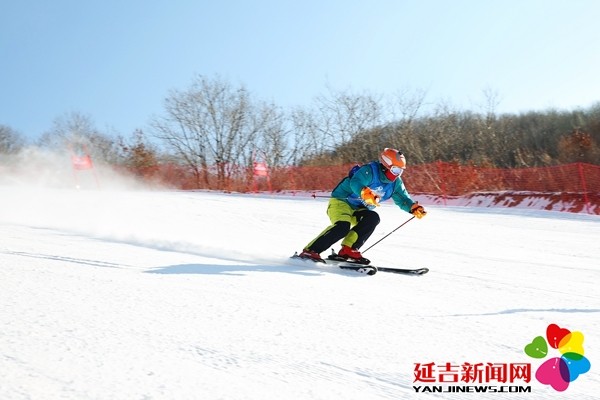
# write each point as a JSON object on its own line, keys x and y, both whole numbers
{"x": 403, "y": 109}
{"x": 308, "y": 138}
{"x": 345, "y": 116}
{"x": 273, "y": 137}
{"x": 75, "y": 132}
{"x": 213, "y": 128}
{"x": 333, "y": 131}
{"x": 405, "y": 106}
{"x": 11, "y": 141}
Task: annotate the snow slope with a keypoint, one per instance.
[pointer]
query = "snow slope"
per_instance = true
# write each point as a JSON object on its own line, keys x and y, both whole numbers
{"x": 190, "y": 295}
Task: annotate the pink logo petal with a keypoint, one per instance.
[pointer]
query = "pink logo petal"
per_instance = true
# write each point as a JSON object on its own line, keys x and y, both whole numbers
{"x": 554, "y": 372}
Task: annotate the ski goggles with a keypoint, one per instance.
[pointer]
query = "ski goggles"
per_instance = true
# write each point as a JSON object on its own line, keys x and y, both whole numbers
{"x": 397, "y": 171}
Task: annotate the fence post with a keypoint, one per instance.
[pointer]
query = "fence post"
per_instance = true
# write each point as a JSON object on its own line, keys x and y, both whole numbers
{"x": 584, "y": 187}
{"x": 442, "y": 180}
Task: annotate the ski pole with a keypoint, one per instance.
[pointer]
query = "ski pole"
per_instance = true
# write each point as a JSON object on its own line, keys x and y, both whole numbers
{"x": 401, "y": 225}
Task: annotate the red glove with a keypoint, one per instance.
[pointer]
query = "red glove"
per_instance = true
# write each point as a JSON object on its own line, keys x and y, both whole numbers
{"x": 417, "y": 210}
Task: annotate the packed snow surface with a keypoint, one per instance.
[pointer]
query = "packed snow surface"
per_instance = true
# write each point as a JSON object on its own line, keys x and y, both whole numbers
{"x": 191, "y": 295}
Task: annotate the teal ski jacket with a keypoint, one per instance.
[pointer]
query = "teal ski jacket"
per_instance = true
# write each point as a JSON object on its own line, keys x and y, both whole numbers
{"x": 372, "y": 175}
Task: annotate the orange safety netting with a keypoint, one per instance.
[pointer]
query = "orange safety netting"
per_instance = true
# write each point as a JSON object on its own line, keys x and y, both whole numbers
{"x": 577, "y": 184}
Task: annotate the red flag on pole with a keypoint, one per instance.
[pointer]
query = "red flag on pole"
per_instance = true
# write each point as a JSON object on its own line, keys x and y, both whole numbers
{"x": 81, "y": 162}
{"x": 261, "y": 169}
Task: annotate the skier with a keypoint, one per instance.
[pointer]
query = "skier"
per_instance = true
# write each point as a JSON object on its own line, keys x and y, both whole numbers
{"x": 352, "y": 205}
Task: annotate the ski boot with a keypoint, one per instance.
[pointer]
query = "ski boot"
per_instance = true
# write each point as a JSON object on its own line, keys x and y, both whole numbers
{"x": 352, "y": 255}
{"x": 308, "y": 254}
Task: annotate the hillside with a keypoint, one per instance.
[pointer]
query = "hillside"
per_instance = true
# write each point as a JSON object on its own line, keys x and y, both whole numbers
{"x": 190, "y": 295}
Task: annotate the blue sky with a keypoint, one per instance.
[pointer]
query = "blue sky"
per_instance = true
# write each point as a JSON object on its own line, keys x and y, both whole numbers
{"x": 116, "y": 61}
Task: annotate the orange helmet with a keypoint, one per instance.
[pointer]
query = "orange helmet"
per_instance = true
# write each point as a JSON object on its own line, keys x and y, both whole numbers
{"x": 393, "y": 160}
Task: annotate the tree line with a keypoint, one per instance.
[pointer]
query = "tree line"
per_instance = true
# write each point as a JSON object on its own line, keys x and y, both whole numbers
{"x": 212, "y": 128}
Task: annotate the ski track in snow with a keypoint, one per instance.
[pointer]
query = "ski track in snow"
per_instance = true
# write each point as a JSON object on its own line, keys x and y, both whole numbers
{"x": 191, "y": 295}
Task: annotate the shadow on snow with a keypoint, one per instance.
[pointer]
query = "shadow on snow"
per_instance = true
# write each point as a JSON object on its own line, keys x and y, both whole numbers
{"x": 244, "y": 269}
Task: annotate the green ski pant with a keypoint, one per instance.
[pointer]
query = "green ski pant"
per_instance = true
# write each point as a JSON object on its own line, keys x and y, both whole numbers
{"x": 353, "y": 226}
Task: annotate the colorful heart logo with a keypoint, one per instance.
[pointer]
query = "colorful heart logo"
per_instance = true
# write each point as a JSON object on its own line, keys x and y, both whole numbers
{"x": 555, "y": 334}
{"x": 558, "y": 372}
{"x": 537, "y": 348}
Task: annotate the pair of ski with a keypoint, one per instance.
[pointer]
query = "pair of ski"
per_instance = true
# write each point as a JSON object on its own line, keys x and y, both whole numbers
{"x": 334, "y": 259}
